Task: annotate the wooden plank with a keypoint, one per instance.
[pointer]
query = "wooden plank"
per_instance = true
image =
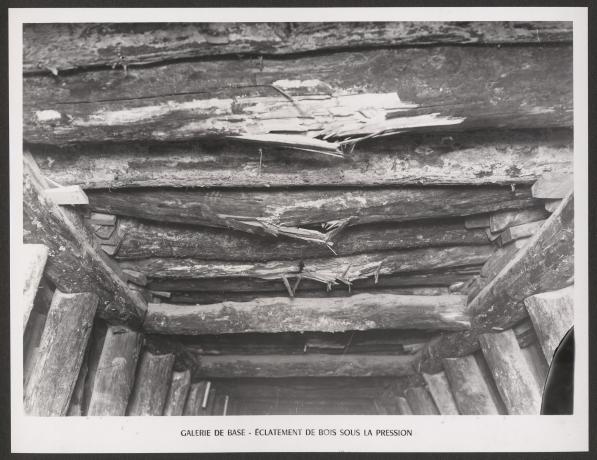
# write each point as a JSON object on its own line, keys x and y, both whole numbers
{"x": 219, "y": 402}
{"x": 34, "y": 257}
{"x": 420, "y": 401}
{"x": 74, "y": 262}
{"x": 31, "y": 340}
{"x": 152, "y": 382}
{"x": 519, "y": 231}
{"x": 516, "y": 157}
{"x": 195, "y": 398}
{"x": 103, "y": 46}
{"x": 60, "y": 356}
{"x": 357, "y": 312}
{"x": 67, "y": 195}
{"x": 96, "y": 346}
{"x": 75, "y": 408}
{"x": 177, "y": 394}
{"x": 277, "y": 212}
{"x": 471, "y": 393}
{"x": 99, "y": 218}
{"x": 500, "y": 258}
{"x": 329, "y": 270}
{"x": 403, "y": 406}
{"x": 553, "y": 186}
{"x": 143, "y": 239}
{"x": 501, "y": 220}
{"x": 537, "y": 364}
{"x": 250, "y": 286}
{"x": 552, "y": 314}
{"x": 309, "y": 365}
{"x": 513, "y": 377}
{"x": 135, "y": 277}
{"x": 552, "y": 205}
{"x": 115, "y": 375}
{"x": 477, "y": 221}
{"x": 169, "y": 102}
{"x": 439, "y": 388}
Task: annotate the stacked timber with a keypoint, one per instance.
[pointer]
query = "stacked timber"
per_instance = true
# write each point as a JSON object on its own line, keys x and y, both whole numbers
{"x": 285, "y": 201}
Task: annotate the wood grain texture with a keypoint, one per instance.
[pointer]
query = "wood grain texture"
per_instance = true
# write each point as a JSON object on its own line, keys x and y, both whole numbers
{"x": 31, "y": 339}
{"x": 329, "y": 271}
{"x": 537, "y": 364}
{"x": 500, "y": 221}
{"x": 281, "y": 212}
{"x": 34, "y": 260}
{"x": 340, "y": 95}
{"x": 143, "y": 239}
{"x": 357, "y": 312}
{"x": 420, "y": 401}
{"x": 75, "y": 263}
{"x": 61, "y": 351}
{"x": 279, "y": 366}
{"x": 152, "y": 382}
{"x": 197, "y": 393}
{"x": 439, "y": 388}
{"x": 475, "y": 158}
{"x": 471, "y": 393}
{"x": 511, "y": 373}
{"x": 554, "y": 186}
{"x": 115, "y": 374}
{"x": 75, "y": 46}
{"x": 552, "y": 314}
{"x": 177, "y": 393}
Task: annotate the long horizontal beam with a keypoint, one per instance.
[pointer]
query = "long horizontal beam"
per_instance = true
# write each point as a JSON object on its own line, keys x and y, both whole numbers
{"x": 471, "y": 158}
{"x": 283, "y": 314}
{"x": 143, "y": 239}
{"x": 62, "y": 47}
{"x": 329, "y": 270}
{"x": 347, "y": 95}
{"x": 279, "y": 366}
{"x": 287, "y": 212}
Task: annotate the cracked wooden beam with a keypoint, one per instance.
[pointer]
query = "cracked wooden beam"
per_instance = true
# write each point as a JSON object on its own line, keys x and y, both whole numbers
{"x": 472, "y": 158}
{"x": 342, "y": 95}
{"x": 62, "y": 47}
{"x": 75, "y": 263}
{"x": 287, "y": 212}
{"x": 143, "y": 239}
{"x": 330, "y": 270}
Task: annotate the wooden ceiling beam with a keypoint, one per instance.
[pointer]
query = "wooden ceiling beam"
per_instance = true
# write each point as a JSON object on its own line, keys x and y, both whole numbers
{"x": 472, "y": 158}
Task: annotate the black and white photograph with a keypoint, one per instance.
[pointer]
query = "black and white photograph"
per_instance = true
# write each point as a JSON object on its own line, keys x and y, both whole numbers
{"x": 315, "y": 218}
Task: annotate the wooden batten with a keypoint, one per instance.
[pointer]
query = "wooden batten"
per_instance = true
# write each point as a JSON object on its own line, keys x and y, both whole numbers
{"x": 552, "y": 205}
{"x": 502, "y": 220}
{"x": 61, "y": 350}
{"x": 519, "y": 231}
{"x": 554, "y": 186}
{"x": 420, "y": 401}
{"x": 439, "y": 388}
{"x": 34, "y": 260}
{"x": 513, "y": 377}
{"x": 403, "y": 406}
{"x": 115, "y": 374}
{"x": 308, "y": 365}
{"x": 152, "y": 382}
{"x": 470, "y": 390}
{"x": 331, "y": 314}
{"x": 75, "y": 263}
{"x": 552, "y": 314}
{"x": 66, "y": 196}
{"x": 77, "y": 400}
{"x": 177, "y": 393}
